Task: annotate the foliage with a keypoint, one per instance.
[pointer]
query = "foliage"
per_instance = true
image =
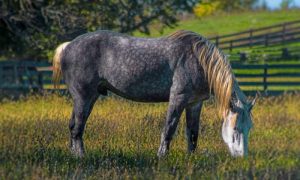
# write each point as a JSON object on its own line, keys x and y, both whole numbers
{"x": 122, "y": 138}
{"x": 205, "y": 9}
{"x": 229, "y": 5}
{"x": 31, "y": 27}
{"x": 286, "y": 4}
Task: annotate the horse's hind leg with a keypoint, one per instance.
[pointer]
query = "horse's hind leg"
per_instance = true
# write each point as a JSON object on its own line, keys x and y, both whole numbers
{"x": 84, "y": 99}
{"x": 192, "y": 125}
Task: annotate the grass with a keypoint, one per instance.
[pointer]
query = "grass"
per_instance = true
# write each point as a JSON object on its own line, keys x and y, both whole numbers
{"x": 122, "y": 138}
{"x": 221, "y": 24}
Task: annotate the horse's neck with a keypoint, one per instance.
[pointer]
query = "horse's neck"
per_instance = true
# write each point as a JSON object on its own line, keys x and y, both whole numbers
{"x": 239, "y": 93}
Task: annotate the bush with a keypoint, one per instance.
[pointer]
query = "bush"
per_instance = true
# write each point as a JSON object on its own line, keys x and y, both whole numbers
{"x": 205, "y": 9}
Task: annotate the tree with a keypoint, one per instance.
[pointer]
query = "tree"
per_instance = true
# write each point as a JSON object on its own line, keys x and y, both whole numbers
{"x": 31, "y": 28}
{"x": 285, "y": 4}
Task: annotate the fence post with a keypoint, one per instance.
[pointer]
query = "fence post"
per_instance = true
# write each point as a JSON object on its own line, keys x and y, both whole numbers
{"x": 230, "y": 48}
{"x": 1, "y": 70}
{"x": 265, "y": 77}
{"x": 16, "y": 78}
{"x": 283, "y": 33}
{"x": 40, "y": 80}
{"x": 217, "y": 40}
{"x": 251, "y": 36}
{"x": 285, "y": 53}
{"x": 243, "y": 57}
{"x": 266, "y": 40}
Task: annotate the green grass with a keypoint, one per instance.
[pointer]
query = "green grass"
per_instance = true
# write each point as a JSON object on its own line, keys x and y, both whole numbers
{"x": 221, "y": 24}
{"x": 122, "y": 138}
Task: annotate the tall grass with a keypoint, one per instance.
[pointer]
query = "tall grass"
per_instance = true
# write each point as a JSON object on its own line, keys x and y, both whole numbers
{"x": 122, "y": 138}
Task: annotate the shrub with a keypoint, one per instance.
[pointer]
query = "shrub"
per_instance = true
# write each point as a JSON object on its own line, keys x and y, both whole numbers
{"x": 205, "y": 9}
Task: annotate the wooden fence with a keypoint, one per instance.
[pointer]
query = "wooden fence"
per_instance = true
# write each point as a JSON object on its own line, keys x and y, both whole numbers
{"x": 266, "y": 36}
{"x": 268, "y": 78}
{"x": 21, "y": 74}
{"x": 273, "y": 78}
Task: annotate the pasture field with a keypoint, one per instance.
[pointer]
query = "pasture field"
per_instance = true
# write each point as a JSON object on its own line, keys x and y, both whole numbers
{"x": 226, "y": 23}
{"x": 122, "y": 138}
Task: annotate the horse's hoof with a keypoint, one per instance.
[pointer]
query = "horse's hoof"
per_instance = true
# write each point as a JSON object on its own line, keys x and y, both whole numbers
{"x": 162, "y": 152}
{"x": 78, "y": 153}
{"x": 191, "y": 151}
{"x": 77, "y": 148}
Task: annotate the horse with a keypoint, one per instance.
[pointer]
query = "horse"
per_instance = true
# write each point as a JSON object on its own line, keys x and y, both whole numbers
{"x": 183, "y": 68}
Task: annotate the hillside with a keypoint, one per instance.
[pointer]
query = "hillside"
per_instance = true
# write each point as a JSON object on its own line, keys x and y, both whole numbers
{"x": 221, "y": 24}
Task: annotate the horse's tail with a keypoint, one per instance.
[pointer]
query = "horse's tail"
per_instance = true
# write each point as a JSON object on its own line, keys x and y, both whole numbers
{"x": 56, "y": 64}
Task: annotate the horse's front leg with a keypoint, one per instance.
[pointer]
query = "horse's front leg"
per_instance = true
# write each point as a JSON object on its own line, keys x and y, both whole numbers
{"x": 176, "y": 106}
{"x": 192, "y": 125}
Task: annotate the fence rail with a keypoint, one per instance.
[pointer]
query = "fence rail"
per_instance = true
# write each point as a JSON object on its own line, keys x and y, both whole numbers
{"x": 265, "y": 76}
{"x": 21, "y": 74}
{"x": 271, "y": 35}
{"x": 26, "y": 76}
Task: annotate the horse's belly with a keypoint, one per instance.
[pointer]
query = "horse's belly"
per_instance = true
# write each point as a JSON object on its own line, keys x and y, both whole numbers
{"x": 143, "y": 92}
{"x": 149, "y": 88}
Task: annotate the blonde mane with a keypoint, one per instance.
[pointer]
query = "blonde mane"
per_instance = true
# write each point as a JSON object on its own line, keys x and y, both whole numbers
{"x": 216, "y": 67}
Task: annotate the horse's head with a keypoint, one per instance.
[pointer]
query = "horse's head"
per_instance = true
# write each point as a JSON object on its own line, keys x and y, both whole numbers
{"x": 236, "y": 126}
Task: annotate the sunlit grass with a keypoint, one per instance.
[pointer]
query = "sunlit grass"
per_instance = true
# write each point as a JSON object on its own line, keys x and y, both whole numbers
{"x": 221, "y": 24}
{"x": 122, "y": 138}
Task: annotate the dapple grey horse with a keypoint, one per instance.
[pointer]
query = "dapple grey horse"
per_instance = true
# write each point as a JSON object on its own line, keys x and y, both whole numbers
{"x": 183, "y": 68}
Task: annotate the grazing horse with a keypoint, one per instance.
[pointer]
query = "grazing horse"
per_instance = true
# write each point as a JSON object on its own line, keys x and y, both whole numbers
{"x": 183, "y": 68}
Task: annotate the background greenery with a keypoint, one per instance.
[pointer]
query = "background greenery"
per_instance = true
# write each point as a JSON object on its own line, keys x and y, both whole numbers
{"x": 29, "y": 28}
{"x": 32, "y": 29}
{"x": 225, "y": 23}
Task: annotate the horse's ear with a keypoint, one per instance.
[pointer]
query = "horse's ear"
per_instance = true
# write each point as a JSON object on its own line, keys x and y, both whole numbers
{"x": 253, "y": 102}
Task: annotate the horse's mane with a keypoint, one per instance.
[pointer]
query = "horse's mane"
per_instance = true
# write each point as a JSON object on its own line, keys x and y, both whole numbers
{"x": 216, "y": 67}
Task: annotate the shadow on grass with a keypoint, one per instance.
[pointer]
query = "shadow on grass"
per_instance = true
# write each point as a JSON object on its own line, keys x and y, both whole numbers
{"x": 112, "y": 163}
{"x": 60, "y": 162}
{"x": 35, "y": 157}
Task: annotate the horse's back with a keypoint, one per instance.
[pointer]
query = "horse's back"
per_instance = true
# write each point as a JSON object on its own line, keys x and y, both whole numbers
{"x": 136, "y": 68}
